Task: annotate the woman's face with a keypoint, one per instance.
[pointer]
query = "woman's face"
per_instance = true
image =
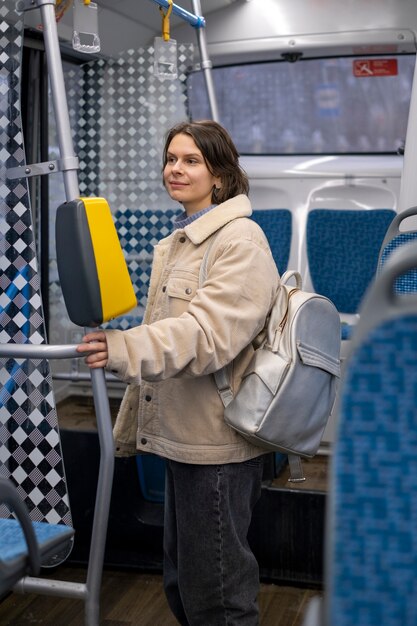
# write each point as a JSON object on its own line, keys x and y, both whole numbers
{"x": 186, "y": 176}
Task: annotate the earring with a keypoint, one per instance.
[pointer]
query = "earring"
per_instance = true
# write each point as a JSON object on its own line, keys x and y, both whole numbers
{"x": 215, "y": 192}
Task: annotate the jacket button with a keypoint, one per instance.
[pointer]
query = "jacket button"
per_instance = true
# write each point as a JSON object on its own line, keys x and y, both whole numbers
{"x": 164, "y": 288}
{"x": 188, "y": 291}
{"x": 148, "y": 398}
{"x": 182, "y": 239}
{"x": 144, "y": 441}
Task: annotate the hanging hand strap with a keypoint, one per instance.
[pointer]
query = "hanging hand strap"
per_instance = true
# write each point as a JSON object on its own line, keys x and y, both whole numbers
{"x": 165, "y": 21}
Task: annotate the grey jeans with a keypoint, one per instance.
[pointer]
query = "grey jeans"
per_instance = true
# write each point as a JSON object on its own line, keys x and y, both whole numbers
{"x": 211, "y": 576}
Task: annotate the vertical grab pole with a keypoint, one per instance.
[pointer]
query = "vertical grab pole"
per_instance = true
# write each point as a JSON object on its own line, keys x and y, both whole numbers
{"x": 101, "y": 403}
{"x": 103, "y": 497}
{"x": 56, "y": 76}
{"x": 408, "y": 188}
{"x": 206, "y": 65}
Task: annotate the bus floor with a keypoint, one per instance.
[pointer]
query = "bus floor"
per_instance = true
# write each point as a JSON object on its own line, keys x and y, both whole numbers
{"x": 133, "y": 598}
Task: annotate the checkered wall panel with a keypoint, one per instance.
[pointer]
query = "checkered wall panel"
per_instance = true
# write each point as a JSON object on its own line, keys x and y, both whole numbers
{"x": 125, "y": 112}
{"x": 30, "y": 451}
{"x": 139, "y": 231}
{"x": 120, "y": 113}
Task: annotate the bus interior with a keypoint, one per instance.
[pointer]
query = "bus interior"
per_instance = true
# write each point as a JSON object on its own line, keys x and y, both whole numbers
{"x": 319, "y": 97}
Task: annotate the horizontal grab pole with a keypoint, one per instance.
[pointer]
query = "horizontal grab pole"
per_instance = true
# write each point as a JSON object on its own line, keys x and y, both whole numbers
{"x": 81, "y": 376}
{"x": 38, "y": 351}
{"x": 48, "y": 587}
{"x": 195, "y": 20}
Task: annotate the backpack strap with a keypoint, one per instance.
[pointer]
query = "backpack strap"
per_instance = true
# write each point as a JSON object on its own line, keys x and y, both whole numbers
{"x": 221, "y": 377}
{"x": 286, "y": 277}
{"x": 222, "y": 380}
{"x": 204, "y": 262}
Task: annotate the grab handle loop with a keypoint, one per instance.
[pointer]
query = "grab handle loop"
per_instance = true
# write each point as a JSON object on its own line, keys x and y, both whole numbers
{"x": 165, "y": 21}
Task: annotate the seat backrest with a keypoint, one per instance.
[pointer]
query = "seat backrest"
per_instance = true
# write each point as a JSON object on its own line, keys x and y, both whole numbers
{"x": 277, "y": 226}
{"x": 342, "y": 251}
{"x": 371, "y": 533}
{"x": 25, "y": 545}
{"x": 393, "y": 239}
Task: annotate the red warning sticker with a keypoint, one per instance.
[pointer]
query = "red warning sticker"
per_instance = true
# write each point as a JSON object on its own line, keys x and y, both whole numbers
{"x": 375, "y": 67}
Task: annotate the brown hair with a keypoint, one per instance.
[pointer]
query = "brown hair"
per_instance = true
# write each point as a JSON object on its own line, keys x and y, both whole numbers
{"x": 220, "y": 156}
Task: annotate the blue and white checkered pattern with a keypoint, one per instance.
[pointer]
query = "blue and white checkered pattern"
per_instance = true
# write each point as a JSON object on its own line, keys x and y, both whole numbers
{"x": 30, "y": 451}
{"x": 120, "y": 112}
{"x": 139, "y": 231}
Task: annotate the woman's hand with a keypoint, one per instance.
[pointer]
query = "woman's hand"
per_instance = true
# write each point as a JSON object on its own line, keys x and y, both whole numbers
{"x": 95, "y": 347}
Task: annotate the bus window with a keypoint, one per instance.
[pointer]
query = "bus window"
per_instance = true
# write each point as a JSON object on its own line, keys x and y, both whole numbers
{"x": 325, "y": 106}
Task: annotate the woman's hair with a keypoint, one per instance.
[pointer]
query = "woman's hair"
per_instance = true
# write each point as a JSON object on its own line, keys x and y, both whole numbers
{"x": 220, "y": 156}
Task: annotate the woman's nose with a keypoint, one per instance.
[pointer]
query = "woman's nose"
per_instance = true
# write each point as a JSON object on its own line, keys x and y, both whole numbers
{"x": 177, "y": 166}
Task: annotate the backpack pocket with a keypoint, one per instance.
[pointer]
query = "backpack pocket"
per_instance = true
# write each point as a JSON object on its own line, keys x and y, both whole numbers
{"x": 260, "y": 383}
{"x": 310, "y": 355}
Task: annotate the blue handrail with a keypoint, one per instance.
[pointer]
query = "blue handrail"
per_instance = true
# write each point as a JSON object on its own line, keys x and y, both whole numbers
{"x": 195, "y": 20}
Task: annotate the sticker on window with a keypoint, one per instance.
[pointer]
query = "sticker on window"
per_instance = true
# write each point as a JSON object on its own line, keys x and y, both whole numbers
{"x": 375, "y": 67}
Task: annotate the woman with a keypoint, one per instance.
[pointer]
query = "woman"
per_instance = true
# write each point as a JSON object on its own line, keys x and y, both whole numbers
{"x": 172, "y": 407}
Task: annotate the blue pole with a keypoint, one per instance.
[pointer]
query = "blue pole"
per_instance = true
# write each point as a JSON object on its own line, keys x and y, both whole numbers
{"x": 195, "y": 20}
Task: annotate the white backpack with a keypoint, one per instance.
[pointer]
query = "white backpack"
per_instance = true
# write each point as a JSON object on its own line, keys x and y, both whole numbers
{"x": 289, "y": 387}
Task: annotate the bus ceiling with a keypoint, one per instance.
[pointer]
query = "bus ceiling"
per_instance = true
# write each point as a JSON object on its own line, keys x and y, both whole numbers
{"x": 260, "y": 30}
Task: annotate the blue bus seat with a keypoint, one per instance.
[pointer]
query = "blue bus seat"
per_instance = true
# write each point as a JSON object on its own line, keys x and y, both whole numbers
{"x": 277, "y": 226}
{"x": 342, "y": 251}
{"x": 151, "y": 473}
{"x": 371, "y": 527}
{"x": 25, "y": 544}
{"x": 394, "y": 238}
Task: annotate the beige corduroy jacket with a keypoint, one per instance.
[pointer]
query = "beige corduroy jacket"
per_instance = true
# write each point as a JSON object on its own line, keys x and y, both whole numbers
{"x": 171, "y": 406}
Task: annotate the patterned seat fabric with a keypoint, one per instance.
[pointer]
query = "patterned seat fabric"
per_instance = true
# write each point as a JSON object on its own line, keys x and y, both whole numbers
{"x": 407, "y": 283}
{"x": 277, "y": 226}
{"x": 372, "y": 526}
{"x": 342, "y": 250}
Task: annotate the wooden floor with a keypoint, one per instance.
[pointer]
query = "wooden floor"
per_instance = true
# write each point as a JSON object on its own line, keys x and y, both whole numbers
{"x": 132, "y": 598}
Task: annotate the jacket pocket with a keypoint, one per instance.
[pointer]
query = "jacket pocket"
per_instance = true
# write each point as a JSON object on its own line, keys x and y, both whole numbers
{"x": 181, "y": 289}
{"x": 126, "y": 426}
